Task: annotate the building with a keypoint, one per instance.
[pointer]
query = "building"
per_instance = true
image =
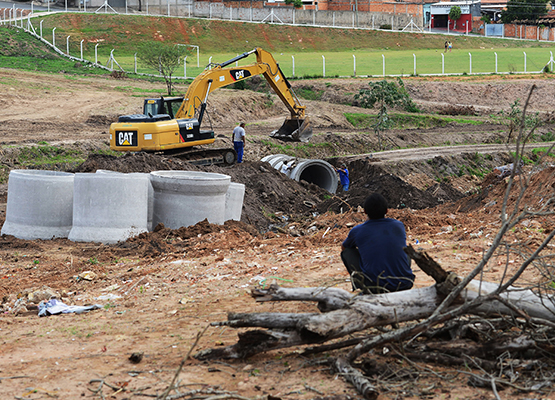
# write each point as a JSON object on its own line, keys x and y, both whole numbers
{"x": 440, "y": 15}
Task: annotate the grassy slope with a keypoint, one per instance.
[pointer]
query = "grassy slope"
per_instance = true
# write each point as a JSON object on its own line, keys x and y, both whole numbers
{"x": 125, "y": 32}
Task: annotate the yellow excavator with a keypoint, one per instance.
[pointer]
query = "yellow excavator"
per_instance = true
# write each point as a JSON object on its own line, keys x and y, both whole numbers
{"x": 172, "y": 125}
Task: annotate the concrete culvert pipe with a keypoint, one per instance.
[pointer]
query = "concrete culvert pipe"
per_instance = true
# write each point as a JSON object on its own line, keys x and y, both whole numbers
{"x": 183, "y": 198}
{"x": 317, "y": 172}
{"x": 234, "y": 201}
{"x": 40, "y": 204}
{"x": 109, "y": 207}
{"x": 150, "y": 191}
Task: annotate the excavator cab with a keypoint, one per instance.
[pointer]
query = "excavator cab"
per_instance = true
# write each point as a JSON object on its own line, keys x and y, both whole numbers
{"x": 162, "y": 105}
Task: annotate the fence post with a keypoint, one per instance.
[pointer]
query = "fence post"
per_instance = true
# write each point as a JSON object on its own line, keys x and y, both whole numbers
{"x": 485, "y": 29}
{"x": 383, "y": 65}
{"x": 96, "y": 53}
{"x": 81, "y": 44}
{"x": 354, "y": 65}
{"x": 414, "y": 56}
{"x": 67, "y": 45}
{"x": 230, "y": 12}
{"x": 168, "y": 1}
{"x": 41, "y": 21}
{"x": 333, "y": 19}
{"x": 372, "y": 21}
{"x": 112, "y": 59}
{"x": 470, "y": 58}
{"x": 146, "y": 7}
{"x": 495, "y": 62}
{"x": 524, "y": 61}
{"x": 54, "y": 37}
{"x": 324, "y": 65}
{"x": 442, "y": 64}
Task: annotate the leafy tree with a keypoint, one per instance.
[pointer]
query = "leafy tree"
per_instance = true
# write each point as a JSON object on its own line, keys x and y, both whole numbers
{"x": 296, "y": 3}
{"x": 455, "y": 13}
{"x": 385, "y": 94}
{"x": 164, "y": 58}
{"x": 524, "y": 10}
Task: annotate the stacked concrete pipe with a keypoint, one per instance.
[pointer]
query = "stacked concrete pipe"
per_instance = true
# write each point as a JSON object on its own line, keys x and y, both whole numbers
{"x": 183, "y": 198}
{"x": 140, "y": 175}
{"x": 234, "y": 201}
{"x": 40, "y": 204}
{"x": 109, "y": 207}
{"x": 318, "y": 172}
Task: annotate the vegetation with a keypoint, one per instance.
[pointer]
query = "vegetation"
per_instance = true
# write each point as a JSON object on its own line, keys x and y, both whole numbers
{"x": 521, "y": 10}
{"x": 407, "y": 121}
{"x": 385, "y": 94}
{"x": 164, "y": 57}
{"x": 46, "y": 156}
{"x": 455, "y": 13}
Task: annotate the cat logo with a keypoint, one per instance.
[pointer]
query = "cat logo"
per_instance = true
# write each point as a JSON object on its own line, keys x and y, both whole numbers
{"x": 126, "y": 138}
{"x": 237, "y": 74}
{"x": 189, "y": 126}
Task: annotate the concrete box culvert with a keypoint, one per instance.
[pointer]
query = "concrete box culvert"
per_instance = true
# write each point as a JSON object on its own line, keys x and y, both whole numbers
{"x": 317, "y": 172}
{"x": 40, "y": 204}
{"x": 109, "y": 207}
{"x": 234, "y": 201}
{"x": 141, "y": 175}
{"x": 184, "y": 198}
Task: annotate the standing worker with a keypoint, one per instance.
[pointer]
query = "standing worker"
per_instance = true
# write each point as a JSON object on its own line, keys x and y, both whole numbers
{"x": 238, "y": 137}
{"x": 373, "y": 251}
{"x": 344, "y": 177}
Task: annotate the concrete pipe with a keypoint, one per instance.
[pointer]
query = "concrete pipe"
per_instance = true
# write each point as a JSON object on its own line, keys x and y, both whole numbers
{"x": 109, "y": 207}
{"x": 318, "y": 172}
{"x": 183, "y": 198}
{"x": 40, "y": 204}
{"x": 234, "y": 201}
{"x": 150, "y": 192}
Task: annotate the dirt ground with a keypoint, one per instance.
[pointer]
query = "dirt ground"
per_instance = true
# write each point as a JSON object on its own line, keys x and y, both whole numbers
{"x": 157, "y": 292}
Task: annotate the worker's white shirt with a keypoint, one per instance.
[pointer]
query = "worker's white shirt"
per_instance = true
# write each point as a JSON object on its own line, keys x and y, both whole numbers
{"x": 238, "y": 134}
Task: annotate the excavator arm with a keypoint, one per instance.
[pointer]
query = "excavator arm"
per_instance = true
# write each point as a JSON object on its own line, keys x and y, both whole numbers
{"x": 295, "y": 128}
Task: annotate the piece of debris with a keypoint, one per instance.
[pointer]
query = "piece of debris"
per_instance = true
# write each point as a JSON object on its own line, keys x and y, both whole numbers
{"x": 55, "y": 307}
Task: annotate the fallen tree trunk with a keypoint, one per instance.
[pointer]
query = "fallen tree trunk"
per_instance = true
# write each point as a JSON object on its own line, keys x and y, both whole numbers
{"x": 359, "y": 313}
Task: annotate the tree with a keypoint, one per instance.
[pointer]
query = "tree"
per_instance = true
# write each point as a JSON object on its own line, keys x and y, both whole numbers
{"x": 385, "y": 94}
{"x": 164, "y": 58}
{"x": 524, "y": 10}
{"x": 455, "y": 13}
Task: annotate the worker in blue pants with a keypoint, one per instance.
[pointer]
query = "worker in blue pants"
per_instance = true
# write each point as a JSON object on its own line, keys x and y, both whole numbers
{"x": 238, "y": 137}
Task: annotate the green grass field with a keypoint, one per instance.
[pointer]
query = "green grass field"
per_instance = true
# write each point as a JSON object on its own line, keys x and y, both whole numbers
{"x": 342, "y": 51}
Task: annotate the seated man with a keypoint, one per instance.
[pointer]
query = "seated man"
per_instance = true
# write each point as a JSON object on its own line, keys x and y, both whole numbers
{"x": 373, "y": 251}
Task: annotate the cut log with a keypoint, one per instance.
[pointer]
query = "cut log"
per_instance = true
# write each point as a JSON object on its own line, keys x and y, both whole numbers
{"x": 360, "y": 313}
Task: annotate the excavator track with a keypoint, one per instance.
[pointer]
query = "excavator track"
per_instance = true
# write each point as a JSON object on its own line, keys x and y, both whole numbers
{"x": 221, "y": 156}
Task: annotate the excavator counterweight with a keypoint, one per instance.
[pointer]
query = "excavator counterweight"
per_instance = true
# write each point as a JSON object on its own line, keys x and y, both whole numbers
{"x": 173, "y": 125}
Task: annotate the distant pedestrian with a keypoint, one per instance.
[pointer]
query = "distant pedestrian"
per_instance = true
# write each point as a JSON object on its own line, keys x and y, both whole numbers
{"x": 343, "y": 176}
{"x": 446, "y": 46}
{"x": 450, "y": 46}
{"x": 239, "y": 141}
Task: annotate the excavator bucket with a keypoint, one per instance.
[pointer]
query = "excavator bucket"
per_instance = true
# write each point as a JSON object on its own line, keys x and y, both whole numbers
{"x": 295, "y": 130}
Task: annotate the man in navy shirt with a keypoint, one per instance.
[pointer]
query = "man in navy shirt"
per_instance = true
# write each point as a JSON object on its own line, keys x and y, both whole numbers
{"x": 373, "y": 251}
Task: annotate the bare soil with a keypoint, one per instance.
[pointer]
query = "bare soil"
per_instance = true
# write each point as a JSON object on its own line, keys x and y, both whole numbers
{"x": 158, "y": 291}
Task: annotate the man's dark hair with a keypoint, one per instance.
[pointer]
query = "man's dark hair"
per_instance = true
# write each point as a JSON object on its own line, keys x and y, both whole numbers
{"x": 375, "y": 206}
